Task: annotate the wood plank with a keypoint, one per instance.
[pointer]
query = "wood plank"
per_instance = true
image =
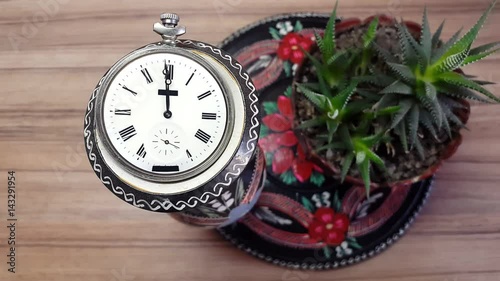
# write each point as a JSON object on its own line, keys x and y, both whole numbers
{"x": 72, "y": 228}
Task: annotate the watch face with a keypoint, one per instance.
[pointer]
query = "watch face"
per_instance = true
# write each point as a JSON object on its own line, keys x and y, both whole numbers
{"x": 165, "y": 114}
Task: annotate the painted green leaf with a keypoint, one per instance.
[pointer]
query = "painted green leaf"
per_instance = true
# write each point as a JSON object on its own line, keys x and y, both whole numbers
{"x": 354, "y": 244}
{"x": 298, "y": 26}
{"x": 269, "y": 159}
{"x": 270, "y": 107}
{"x": 264, "y": 131}
{"x": 287, "y": 67}
{"x": 327, "y": 252}
{"x": 275, "y": 33}
{"x": 317, "y": 178}
{"x": 288, "y": 91}
{"x": 288, "y": 177}
{"x": 307, "y": 204}
{"x": 337, "y": 204}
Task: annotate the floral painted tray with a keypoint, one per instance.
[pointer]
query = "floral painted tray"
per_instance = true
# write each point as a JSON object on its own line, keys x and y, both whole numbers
{"x": 303, "y": 218}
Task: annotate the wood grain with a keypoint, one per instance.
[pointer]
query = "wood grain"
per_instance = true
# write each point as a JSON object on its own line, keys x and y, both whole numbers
{"x": 71, "y": 228}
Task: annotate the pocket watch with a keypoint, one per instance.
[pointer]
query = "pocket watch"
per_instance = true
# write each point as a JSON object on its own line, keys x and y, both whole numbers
{"x": 172, "y": 125}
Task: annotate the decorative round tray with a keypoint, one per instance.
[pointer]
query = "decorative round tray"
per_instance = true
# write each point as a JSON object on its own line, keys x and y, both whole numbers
{"x": 304, "y": 219}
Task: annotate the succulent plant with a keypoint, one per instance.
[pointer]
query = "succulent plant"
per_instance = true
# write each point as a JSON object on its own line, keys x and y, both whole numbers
{"x": 362, "y": 106}
{"x": 337, "y": 82}
{"x": 426, "y": 83}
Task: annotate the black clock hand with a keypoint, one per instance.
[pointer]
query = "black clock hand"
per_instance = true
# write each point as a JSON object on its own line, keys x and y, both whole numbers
{"x": 168, "y": 72}
{"x": 169, "y": 143}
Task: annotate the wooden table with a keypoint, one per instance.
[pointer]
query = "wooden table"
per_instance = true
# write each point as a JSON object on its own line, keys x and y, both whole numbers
{"x": 71, "y": 228}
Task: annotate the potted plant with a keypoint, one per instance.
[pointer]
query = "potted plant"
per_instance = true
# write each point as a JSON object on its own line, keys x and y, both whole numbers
{"x": 381, "y": 102}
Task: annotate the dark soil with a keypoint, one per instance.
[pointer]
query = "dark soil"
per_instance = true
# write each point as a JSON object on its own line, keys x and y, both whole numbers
{"x": 400, "y": 165}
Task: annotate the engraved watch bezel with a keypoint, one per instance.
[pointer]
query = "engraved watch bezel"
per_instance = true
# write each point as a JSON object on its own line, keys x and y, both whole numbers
{"x": 202, "y": 191}
{"x": 231, "y": 107}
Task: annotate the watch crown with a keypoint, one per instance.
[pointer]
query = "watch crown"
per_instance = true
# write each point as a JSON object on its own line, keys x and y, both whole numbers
{"x": 168, "y": 28}
{"x": 169, "y": 19}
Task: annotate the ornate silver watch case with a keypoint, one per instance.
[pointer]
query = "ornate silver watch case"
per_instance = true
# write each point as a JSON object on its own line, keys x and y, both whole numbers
{"x": 236, "y": 151}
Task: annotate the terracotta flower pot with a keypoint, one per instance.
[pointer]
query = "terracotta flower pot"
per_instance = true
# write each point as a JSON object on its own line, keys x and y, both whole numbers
{"x": 449, "y": 150}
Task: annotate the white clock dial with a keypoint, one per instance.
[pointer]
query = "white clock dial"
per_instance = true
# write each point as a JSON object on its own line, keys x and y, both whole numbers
{"x": 165, "y": 113}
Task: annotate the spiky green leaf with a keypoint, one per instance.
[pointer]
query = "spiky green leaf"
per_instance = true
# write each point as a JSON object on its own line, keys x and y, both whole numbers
{"x": 319, "y": 41}
{"x": 346, "y": 165}
{"x": 447, "y": 127}
{"x": 345, "y": 137}
{"x": 316, "y": 122}
{"x": 425, "y": 37}
{"x": 452, "y": 90}
{"x": 405, "y": 106}
{"x": 437, "y": 36}
{"x": 459, "y": 80}
{"x": 403, "y": 71}
{"x": 376, "y": 159}
{"x": 421, "y": 57}
{"x": 386, "y": 101}
{"x": 332, "y": 127}
{"x": 398, "y": 87}
{"x": 466, "y": 41}
{"x": 319, "y": 100}
{"x": 413, "y": 118}
{"x": 401, "y": 132}
{"x": 433, "y": 106}
{"x": 484, "y": 48}
{"x": 474, "y": 58}
{"x": 409, "y": 55}
{"x": 364, "y": 170}
{"x": 439, "y": 52}
{"x": 370, "y": 33}
{"x": 426, "y": 121}
{"x": 451, "y": 62}
{"x": 448, "y": 112}
{"x": 333, "y": 145}
{"x": 341, "y": 100}
{"x": 329, "y": 44}
{"x": 430, "y": 90}
{"x": 420, "y": 149}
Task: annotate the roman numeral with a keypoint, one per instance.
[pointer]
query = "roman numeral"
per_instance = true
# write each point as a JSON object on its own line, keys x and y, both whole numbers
{"x": 123, "y": 112}
{"x": 127, "y": 133}
{"x": 146, "y": 74}
{"x": 128, "y": 90}
{"x": 189, "y": 155}
{"x": 209, "y": 116}
{"x": 191, "y": 77}
{"x": 142, "y": 151}
{"x": 204, "y": 137}
{"x": 169, "y": 72}
{"x": 204, "y": 95}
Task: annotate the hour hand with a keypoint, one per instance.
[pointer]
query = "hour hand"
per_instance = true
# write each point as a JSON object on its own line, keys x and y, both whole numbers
{"x": 167, "y": 93}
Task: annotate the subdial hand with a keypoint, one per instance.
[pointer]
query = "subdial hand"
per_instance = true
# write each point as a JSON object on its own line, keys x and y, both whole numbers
{"x": 169, "y": 143}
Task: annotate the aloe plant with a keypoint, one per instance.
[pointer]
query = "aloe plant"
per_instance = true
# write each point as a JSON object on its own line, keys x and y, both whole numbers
{"x": 427, "y": 83}
{"x": 362, "y": 106}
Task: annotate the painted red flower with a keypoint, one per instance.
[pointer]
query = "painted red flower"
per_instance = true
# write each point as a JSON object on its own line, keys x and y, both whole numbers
{"x": 329, "y": 227}
{"x": 291, "y": 47}
{"x": 281, "y": 141}
{"x": 281, "y": 123}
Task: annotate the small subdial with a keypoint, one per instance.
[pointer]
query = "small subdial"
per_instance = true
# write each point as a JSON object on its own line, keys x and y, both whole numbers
{"x": 167, "y": 144}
